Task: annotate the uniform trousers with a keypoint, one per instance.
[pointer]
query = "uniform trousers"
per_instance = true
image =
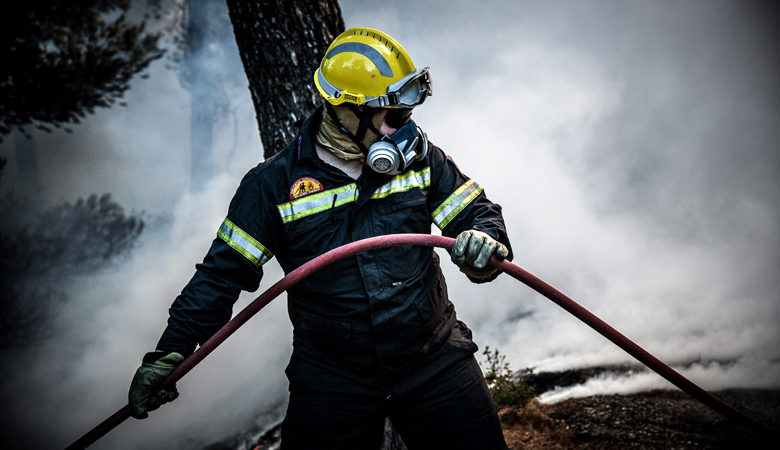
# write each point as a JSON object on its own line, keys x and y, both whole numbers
{"x": 452, "y": 410}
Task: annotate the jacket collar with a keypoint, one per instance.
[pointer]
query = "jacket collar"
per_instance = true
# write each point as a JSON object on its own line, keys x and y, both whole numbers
{"x": 308, "y": 133}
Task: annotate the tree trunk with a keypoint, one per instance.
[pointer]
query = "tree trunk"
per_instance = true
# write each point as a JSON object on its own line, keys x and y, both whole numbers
{"x": 281, "y": 43}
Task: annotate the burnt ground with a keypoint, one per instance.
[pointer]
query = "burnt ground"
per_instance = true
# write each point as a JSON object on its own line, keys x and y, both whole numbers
{"x": 650, "y": 420}
{"x": 660, "y": 419}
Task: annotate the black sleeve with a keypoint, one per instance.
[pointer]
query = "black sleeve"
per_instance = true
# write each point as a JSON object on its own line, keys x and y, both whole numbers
{"x": 458, "y": 203}
{"x": 232, "y": 264}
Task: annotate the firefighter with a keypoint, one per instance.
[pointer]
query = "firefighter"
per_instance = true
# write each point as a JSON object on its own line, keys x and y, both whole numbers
{"x": 375, "y": 335}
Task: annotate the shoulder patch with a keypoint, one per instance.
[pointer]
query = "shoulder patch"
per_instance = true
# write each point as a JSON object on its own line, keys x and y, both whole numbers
{"x": 304, "y": 186}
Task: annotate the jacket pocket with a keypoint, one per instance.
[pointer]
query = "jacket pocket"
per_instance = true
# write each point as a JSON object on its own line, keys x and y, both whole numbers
{"x": 393, "y": 206}
{"x": 301, "y": 227}
{"x": 312, "y": 324}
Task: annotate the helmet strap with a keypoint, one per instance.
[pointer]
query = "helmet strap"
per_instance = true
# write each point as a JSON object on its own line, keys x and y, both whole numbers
{"x": 331, "y": 138}
{"x": 365, "y": 123}
{"x": 365, "y": 117}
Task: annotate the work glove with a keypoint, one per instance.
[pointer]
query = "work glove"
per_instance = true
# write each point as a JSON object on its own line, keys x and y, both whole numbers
{"x": 472, "y": 250}
{"x": 146, "y": 393}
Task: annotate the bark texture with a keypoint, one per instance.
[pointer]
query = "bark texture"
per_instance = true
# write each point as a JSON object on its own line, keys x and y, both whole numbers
{"x": 281, "y": 43}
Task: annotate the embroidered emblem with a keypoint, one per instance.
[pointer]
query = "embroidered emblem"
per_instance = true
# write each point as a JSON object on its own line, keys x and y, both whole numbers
{"x": 304, "y": 186}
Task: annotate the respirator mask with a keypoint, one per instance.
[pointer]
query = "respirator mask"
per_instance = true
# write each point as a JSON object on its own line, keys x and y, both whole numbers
{"x": 393, "y": 154}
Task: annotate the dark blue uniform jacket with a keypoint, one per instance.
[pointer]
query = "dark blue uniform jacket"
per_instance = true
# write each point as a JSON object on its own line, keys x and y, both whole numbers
{"x": 385, "y": 309}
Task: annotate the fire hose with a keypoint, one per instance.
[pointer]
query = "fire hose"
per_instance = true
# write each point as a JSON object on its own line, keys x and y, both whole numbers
{"x": 446, "y": 243}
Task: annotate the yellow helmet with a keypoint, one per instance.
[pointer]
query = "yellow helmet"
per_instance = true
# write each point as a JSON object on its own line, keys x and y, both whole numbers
{"x": 367, "y": 67}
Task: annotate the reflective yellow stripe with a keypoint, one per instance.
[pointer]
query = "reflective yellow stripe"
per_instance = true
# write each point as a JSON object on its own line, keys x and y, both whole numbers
{"x": 243, "y": 243}
{"x": 404, "y": 182}
{"x": 455, "y": 203}
{"x": 332, "y": 198}
{"x": 321, "y": 201}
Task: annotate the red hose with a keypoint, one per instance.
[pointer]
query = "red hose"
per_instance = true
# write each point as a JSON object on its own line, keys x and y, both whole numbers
{"x": 446, "y": 243}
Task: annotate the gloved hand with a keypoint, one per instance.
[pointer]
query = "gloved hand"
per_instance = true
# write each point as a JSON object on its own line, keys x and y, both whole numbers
{"x": 473, "y": 249}
{"x": 146, "y": 393}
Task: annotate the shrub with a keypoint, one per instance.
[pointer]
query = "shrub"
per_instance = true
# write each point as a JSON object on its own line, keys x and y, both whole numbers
{"x": 507, "y": 389}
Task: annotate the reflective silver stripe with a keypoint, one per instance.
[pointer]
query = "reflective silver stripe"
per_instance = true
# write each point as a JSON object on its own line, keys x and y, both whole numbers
{"x": 243, "y": 243}
{"x": 455, "y": 203}
{"x": 336, "y": 92}
{"x": 321, "y": 201}
{"x": 365, "y": 50}
{"x": 404, "y": 182}
{"x": 327, "y": 87}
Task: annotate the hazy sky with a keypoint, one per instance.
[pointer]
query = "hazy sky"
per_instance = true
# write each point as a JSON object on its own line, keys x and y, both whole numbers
{"x": 633, "y": 146}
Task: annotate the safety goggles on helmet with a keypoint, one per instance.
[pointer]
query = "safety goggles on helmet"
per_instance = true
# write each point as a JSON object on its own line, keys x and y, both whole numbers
{"x": 409, "y": 91}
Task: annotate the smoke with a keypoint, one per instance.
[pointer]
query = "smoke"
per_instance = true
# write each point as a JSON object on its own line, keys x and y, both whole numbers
{"x": 60, "y": 388}
{"x": 632, "y": 146}
{"x": 715, "y": 375}
{"x": 72, "y": 382}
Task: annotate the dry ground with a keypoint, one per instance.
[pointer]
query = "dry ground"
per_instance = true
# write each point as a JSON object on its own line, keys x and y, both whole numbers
{"x": 652, "y": 420}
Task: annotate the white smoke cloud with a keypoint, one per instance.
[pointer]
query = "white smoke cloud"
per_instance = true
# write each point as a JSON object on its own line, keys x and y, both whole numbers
{"x": 82, "y": 376}
{"x": 632, "y": 149}
{"x": 740, "y": 373}
{"x": 64, "y": 386}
